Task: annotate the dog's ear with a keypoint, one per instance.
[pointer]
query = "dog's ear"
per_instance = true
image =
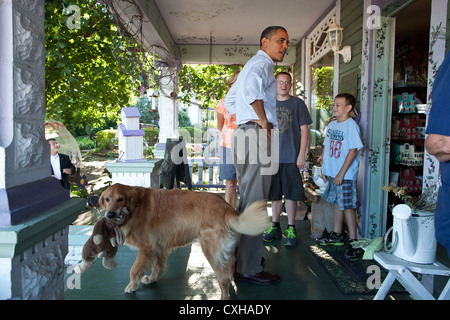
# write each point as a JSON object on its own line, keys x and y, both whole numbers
{"x": 134, "y": 196}
{"x": 101, "y": 201}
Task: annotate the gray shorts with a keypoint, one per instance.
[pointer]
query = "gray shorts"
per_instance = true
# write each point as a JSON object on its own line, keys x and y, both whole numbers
{"x": 287, "y": 182}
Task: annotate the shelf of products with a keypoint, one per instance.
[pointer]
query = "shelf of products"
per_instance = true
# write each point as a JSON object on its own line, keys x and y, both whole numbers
{"x": 407, "y": 141}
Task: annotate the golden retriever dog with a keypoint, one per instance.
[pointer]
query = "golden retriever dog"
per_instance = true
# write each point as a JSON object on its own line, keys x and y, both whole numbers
{"x": 156, "y": 221}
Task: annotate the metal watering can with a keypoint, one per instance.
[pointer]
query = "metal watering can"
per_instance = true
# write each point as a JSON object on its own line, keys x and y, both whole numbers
{"x": 413, "y": 235}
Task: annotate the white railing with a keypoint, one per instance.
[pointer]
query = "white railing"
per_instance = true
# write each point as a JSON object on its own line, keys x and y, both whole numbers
{"x": 205, "y": 158}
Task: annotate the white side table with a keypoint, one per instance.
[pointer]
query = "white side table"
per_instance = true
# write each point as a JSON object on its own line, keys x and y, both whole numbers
{"x": 402, "y": 271}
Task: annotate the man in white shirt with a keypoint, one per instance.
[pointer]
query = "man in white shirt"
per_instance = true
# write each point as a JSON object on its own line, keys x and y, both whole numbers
{"x": 253, "y": 99}
{"x": 61, "y": 164}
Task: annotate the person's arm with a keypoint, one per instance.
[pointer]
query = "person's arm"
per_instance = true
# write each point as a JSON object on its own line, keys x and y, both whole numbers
{"x": 301, "y": 159}
{"x": 230, "y": 100}
{"x": 67, "y": 166}
{"x": 438, "y": 146}
{"x": 320, "y": 160}
{"x": 71, "y": 167}
{"x": 220, "y": 121}
{"x": 348, "y": 161}
{"x": 258, "y": 106}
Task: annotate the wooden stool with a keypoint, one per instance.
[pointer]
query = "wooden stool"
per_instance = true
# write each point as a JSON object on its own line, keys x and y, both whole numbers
{"x": 322, "y": 216}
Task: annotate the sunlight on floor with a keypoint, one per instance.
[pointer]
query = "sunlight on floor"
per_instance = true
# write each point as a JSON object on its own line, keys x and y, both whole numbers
{"x": 271, "y": 248}
{"x": 312, "y": 271}
{"x": 202, "y": 279}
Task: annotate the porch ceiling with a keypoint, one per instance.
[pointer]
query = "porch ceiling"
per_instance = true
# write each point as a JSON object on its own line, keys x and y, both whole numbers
{"x": 218, "y": 31}
{"x": 239, "y": 22}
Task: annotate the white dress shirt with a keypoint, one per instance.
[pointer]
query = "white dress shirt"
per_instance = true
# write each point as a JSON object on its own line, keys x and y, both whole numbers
{"x": 255, "y": 82}
{"x": 56, "y": 165}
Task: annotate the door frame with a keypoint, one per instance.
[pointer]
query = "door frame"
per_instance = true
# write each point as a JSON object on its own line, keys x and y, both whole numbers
{"x": 373, "y": 199}
{"x": 376, "y": 109}
{"x": 380, "y": 114}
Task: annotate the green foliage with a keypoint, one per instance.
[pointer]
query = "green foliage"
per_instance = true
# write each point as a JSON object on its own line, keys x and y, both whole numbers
{"x": 183, "y": 119}
{"x": 77, "y": 192}
{"x": 106, "y": 139}
{"x": 206, "y": 84}
{"x": 194, "y": 131}
{"x": 152, "y": 136}
{"x": 323, "y": 80}
{"x": 148, "y": 115}
{"x": 85, "y": 143}
{"x": 84, "y": 84}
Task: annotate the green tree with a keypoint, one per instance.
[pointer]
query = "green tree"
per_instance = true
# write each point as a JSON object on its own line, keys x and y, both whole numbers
{"x": 183, "y": 119}
{"x": 206, "y": 84}
{"x": 148, "y": 115}
{"x": 84, "y": 83}
{"x": 323, "y": 84}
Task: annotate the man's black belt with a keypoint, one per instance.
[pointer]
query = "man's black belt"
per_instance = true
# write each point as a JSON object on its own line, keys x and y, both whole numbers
{"x": 250, "y": 123}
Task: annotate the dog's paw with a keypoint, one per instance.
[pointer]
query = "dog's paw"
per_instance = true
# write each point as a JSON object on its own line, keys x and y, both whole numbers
{"x": 131, "y": 288}
{"x": 148, "y": 280}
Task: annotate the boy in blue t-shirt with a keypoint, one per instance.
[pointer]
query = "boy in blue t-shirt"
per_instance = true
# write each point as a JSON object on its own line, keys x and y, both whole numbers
{"x": 340, "y": 167}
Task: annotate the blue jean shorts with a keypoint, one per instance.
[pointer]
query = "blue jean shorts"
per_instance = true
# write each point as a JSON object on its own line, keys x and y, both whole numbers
{"x": 344, "y": 196}
{"x": 227, "y": 170}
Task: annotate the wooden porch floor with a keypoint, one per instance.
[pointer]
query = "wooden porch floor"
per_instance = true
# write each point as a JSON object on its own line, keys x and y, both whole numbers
{"x": 189, "y": 277}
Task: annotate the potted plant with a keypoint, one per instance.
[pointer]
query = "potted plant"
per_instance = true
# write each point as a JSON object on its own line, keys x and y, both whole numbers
{"x": 425, "y": 202}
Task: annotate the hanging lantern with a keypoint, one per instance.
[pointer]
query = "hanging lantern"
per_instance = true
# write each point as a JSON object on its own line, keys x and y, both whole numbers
{"x": 335, "y": 36}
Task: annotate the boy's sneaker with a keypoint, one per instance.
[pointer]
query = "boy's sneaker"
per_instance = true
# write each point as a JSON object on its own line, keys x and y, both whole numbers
{"x": 332, "y": 239}
{"x": 353, "y": 254}
{"x": 272, "y": 233}
{"x": 291, "y": 237}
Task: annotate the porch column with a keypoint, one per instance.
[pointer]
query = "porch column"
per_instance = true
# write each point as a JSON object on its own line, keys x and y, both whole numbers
{"x": 168, "y": 107}
{"x": 34, "y": 209}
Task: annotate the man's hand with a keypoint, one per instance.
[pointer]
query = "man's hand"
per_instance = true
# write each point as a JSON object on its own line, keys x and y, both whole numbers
{"x": 266, "y": 126}
{"x": 258, "y": 106}
{"x": 301, "y": 162}
{"x": 438, "y": 146}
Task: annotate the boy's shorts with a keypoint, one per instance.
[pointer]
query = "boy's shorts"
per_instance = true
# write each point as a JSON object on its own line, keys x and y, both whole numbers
{"x": 288, "y": 182}
{"x": 344, "y": 196}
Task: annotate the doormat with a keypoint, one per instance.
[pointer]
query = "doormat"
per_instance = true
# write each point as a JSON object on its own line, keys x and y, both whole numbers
{"x": 349, "y": 276}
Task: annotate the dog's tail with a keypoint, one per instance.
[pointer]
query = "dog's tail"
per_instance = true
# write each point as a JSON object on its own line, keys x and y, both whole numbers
{"x": 253, "y": 220}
